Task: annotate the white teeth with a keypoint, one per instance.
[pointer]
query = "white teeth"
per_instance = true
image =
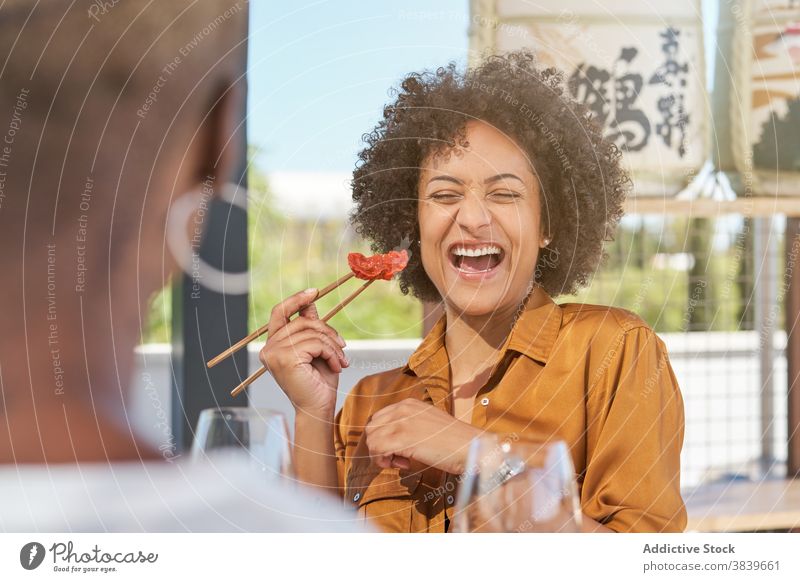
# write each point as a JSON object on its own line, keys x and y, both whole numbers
{"x": 464, "y": 252}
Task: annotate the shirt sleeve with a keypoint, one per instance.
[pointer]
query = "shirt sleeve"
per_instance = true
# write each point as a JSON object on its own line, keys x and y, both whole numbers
{"x": 635, "y": 435}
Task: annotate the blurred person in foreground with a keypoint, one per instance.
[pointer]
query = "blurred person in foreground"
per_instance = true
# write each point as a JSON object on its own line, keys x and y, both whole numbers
{"x": 108, "y": 113}
{"x": 506, "y": 189}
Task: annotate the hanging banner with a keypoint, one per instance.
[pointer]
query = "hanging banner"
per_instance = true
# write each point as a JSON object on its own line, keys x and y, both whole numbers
{"x": 767, "y": 66}
{"x": 639, "y": 68}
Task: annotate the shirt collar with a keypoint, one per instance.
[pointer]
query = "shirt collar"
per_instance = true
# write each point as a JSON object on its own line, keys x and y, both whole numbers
{"x": 430, "y": 363}
{"x": 533, "y": 335}
{"x": 537, "y": 328}
{"x": 431, "y": 344}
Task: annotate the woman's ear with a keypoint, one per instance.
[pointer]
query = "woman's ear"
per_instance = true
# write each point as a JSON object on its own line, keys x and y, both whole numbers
{"x": 221, "y": 137}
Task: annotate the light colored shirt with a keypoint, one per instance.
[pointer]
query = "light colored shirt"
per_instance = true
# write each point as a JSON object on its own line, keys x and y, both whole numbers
{"x": 160, "y": 497}
{"x": 596, "y": 377}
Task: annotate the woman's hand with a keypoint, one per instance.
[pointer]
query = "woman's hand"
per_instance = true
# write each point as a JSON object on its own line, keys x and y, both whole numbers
{"x": 415, "y": 430}
{"x": 304, "y": 355}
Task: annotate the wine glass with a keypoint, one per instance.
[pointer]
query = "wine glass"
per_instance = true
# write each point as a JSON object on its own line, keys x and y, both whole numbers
{"x": 259, "y": 435}
{"x": 514, "y": 485}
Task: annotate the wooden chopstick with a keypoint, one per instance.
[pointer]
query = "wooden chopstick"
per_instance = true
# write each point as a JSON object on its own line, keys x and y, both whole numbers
{"x": 331, "y": 286}
{"x": 238, "y": 345}
{"x": 349, "y": 298}
{"x": 262, "y": 370}
{"x": 249, "y": 380}
{"x": 264, "y": 328}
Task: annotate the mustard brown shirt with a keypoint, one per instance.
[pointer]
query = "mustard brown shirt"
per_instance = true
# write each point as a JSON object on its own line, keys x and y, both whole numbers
{"x": 597, "y": 377}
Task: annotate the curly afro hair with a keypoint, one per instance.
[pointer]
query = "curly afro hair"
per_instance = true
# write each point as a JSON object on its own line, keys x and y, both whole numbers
{"x": 581, "y": 179}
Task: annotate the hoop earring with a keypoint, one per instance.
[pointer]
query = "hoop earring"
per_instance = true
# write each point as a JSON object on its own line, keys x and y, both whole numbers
{"x": 187, "y": 258}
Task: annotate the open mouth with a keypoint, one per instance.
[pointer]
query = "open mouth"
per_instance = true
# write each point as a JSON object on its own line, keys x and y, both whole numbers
{"x": 480, "y": 258}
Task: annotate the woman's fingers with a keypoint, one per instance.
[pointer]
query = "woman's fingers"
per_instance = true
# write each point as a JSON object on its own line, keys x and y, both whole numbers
{"x": 310, "y": 311}
{"x": 391, "y": 461}
{"x": 303, "y": 323}
{"x": 283, "y": 311}
{"x": 299, "y": 344}
{"x": 317, "y": 347}
{"x": 290, "y": 341}
{"x": 382, "y": 441}
{"x": 383, "y": 461}
{"x": 280, "y": 358}
{"x": 399, "y": 462}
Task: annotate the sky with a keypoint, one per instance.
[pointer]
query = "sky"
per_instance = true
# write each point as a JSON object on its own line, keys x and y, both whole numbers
{"x": 319, "y": 75}
{"x": 319, "y": 72}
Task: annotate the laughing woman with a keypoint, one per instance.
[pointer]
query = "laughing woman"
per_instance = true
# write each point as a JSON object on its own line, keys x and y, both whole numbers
{"x": 508, "y": 191}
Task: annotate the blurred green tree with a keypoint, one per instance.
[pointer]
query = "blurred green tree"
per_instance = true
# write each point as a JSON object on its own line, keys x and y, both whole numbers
{"x": 289, "y": 255}
{"x": 664, "y": 269}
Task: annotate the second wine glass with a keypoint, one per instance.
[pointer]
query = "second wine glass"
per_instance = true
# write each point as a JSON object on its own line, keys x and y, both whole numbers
{"x": 259, "y": 435}
{"x": 514, "y": 485}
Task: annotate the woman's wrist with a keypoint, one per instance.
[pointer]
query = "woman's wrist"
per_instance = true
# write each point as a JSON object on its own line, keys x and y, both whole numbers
{"x": 313, "y": 417}
{"x": 461, "y": 449}
{"x": 314, "y": 455}
{"x": 313, "y": 427}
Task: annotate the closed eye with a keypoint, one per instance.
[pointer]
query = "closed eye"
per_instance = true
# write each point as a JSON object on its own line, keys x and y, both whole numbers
{"x": 444, "y": 196}
{"x": 504, "y": 195}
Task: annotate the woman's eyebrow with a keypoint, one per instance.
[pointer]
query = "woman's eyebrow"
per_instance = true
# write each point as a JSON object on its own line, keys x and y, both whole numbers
{"x": 446, "y": 179}
{"x": 502, "y": 177}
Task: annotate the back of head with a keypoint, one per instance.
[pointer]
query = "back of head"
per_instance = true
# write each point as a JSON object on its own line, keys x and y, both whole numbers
{"x": 108, "y": 111}
{"x": 112, "y": 96}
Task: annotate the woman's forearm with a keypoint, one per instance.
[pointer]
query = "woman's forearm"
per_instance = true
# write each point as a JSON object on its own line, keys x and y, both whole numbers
{"x": 314, "y": 457}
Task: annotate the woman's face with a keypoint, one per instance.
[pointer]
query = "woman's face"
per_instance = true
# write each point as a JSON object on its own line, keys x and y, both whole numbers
{"x": 479, "y": 220}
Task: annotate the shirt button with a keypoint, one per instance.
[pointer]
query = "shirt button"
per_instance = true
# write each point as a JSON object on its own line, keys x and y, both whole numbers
{"x": 485, "y": 401}
{"x": 357, "y": 496}
{"x": 450, "y": 500}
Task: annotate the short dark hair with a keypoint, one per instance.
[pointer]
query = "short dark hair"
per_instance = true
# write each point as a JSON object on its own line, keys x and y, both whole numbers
{"x": 82, "y": 74}
{"x": 583, "y": 184}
